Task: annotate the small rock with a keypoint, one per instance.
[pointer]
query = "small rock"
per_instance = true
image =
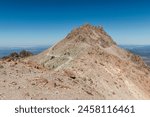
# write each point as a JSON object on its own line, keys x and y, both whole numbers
{"x": 113, "y": 93}
{"x": 27, "y": 94}
{"x": 70, "y": 74}
{"x": 73, "y": 77}
{"x": 33, "y": 83}
{"x": 1, "y": 66}
{"x": 13, "y": 83}
{"x": 39, "y": 81}
{"x": 52, "y": 57}
{"x": 102, "y": 64}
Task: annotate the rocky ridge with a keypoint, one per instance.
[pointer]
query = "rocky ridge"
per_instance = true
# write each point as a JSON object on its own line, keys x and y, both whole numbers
{"x": 86, "y": 64}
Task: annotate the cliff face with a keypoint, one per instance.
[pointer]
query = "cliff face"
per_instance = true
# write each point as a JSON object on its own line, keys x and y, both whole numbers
{"x": 87, "y": 64}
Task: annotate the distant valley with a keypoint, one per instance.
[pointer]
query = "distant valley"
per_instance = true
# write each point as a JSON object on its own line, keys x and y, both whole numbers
{"x": 143, "y": 51}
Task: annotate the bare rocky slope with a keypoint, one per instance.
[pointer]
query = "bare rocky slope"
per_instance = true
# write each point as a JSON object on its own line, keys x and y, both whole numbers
{"x": 87, "y": 64}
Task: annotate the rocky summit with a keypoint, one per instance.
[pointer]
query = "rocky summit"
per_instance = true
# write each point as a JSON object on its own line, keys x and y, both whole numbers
{"x": 86, "y": 64}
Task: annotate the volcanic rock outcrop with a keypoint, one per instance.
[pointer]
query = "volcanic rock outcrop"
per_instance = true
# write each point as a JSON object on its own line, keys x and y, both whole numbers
{"x": 87, "y": 64}
{"x": 16, "y": 56}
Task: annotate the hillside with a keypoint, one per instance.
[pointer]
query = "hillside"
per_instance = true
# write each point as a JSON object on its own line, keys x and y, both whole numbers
{"x": 86, "y": 64}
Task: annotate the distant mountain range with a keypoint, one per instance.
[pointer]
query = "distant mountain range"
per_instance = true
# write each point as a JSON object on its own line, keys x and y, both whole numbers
{"x": 143, "y": 50}
{"x": 5, "y": 51}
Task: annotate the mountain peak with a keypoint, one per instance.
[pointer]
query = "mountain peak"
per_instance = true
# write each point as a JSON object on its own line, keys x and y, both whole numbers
{"x": 87, "y": 65}
{"x": 91, "y": 34}
{"x": 84, "y": 65}
{"x": 88, "y": 26}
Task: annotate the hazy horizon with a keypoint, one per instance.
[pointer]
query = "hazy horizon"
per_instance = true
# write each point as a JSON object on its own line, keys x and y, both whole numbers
{"x": 49, "y": 45}
{"x": 45, "y": 22}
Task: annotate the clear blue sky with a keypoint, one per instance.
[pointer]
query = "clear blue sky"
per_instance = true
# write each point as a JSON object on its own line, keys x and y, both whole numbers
{"x": 44, "y": 22}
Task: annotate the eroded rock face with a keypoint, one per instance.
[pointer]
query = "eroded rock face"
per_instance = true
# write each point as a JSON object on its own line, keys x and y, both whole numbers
{"x": 91, "y": 34}
{"x": 137, "y": 59}
{"x": 87, "y": 64}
